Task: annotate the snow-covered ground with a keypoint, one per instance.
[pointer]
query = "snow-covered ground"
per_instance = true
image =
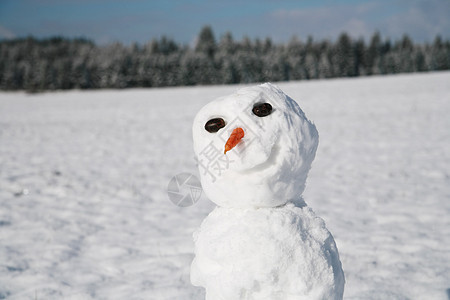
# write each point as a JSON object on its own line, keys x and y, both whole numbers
{"x": 84, "y": 210}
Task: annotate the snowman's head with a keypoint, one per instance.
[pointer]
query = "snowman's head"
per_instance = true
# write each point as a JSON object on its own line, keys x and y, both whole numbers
{"x": 269, "y": 144}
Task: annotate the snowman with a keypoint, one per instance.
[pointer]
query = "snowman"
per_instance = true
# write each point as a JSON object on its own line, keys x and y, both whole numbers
{"x": 254, "y": 149}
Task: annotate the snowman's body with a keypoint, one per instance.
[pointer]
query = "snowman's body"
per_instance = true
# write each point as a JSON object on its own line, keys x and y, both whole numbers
{"x": 262, "y": 242}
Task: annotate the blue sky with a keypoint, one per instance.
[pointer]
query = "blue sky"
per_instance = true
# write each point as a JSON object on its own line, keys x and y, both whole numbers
{"x": 130, "y": 21}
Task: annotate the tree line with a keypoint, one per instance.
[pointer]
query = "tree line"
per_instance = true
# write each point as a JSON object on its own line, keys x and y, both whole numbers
{"x": 60, "y": 63}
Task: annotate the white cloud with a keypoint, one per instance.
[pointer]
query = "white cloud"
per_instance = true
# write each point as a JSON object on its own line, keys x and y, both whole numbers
{"x": 324, "y": 22}
{"x": 356, "y": 27}
{"x": 423, "y": 21}
{"x": 5, "y": 33}
{"x": 420, "y": 19}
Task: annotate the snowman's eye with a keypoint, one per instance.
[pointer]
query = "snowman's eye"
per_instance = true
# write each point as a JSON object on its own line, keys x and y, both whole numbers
{"x": 214, "y": 125}
{"x": 262, "y": 109}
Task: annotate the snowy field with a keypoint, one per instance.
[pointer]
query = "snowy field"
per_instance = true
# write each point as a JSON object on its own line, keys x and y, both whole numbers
{"x": 84, "y": 210}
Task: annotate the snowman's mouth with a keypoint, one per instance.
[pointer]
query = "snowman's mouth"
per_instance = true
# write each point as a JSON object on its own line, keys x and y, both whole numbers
{"x": 270, "y": 161}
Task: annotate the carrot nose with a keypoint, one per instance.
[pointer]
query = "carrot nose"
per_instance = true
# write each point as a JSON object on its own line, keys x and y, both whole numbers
{"x": 234, "y": 139}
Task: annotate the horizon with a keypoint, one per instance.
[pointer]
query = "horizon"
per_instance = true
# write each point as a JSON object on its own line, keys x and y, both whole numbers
{"x": 192, "y": 45}
{"x": 105, "y": 22}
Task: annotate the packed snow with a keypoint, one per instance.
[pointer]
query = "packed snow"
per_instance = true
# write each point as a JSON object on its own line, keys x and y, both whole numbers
{"x": 85, "y": 214}
{"x": 268, "y": 167}
{"x": 279, "y": 253}
{"x": 262, "y": 242}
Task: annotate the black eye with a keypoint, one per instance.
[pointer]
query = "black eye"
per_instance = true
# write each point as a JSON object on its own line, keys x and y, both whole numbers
{"x": 262, "y": 109}
{"x": 214, "y": 125}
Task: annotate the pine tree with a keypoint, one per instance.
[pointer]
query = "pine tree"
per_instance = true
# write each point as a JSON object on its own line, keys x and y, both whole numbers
{"x": 206, "y": 42}
{"x": 373, "y": 55}
{"x": 226, "y": 44}
{"x": 344, "y": 57}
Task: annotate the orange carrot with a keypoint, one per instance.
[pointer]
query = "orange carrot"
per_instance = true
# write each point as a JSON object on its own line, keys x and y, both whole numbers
{"x": 234, "y": 139}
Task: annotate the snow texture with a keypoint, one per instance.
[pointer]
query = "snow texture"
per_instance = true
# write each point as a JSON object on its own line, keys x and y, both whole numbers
{"x": 84, "y": 212}
{"x": 263, "y": 249}
{"x": 283, "y": 252}
{"x": 269, "y": 166}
